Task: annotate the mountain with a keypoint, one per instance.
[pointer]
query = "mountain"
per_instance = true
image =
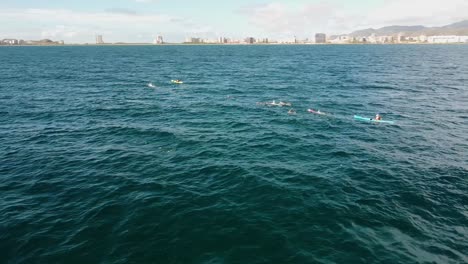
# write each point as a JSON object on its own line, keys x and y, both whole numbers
{"x": 391, "y": 30}
{"x": 458, "y": 25}
{"x": 459, "y": 28}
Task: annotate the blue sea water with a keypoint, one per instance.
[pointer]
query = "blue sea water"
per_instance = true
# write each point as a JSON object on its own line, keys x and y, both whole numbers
{"x": 97, "y": 167}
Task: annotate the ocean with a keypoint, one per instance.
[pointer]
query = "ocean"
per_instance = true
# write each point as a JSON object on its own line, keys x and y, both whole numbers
{"x": 98, "y": 167}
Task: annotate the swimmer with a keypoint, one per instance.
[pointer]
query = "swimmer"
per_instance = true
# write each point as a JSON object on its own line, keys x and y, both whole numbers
{"x": 272, "y": 103}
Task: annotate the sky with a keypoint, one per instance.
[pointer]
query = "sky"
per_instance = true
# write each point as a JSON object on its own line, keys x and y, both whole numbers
{"x": 78, "y": 21}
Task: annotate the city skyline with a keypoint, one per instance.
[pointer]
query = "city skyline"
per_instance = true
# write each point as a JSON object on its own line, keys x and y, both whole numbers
{"x": 144, "y": 20}
{"x": 452, "y": 33}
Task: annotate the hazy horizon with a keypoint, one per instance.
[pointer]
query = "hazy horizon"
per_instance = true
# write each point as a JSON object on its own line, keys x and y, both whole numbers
{"x": 142, "y": 20}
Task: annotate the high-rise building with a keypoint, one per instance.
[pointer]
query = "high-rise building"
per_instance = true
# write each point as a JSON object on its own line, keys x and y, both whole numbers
{"x": 99, "y": 39}
{"x": 340, "y": 39}
{"x": 400, "y": 38}
{"x": 320, "y": 38}
{"x": 422, "y": 38}
{"x": 193, "y": 40}
{"x": 9, "y": 42}
{"x": 223, "y": 40}
{"x": 158, "y": 40}
{"x": 250, "y": 40}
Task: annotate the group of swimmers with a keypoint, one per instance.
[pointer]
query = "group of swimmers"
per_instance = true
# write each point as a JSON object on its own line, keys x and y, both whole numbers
{"x": 177, "y": 81}
{"x": 293, "y": 112}
{"x": 274, "y": 103}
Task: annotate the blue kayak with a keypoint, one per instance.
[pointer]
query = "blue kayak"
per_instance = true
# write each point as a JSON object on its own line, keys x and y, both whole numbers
{"x": 360, "y": 118}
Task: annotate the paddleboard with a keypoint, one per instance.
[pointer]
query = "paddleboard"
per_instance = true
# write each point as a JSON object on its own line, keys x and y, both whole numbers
{"x": 366, "y": 119}
{"x": 312, "y": 111}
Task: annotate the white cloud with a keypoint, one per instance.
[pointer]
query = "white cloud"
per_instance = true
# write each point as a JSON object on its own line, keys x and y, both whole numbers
{"x": 72, "y": 26}
{"x": 415, "y": 12}
{"x": 60, "y": 31}
{"x": 283, "y": 19}
{"x": 146, "y": 1}
{"x": 123, "y": 11}
{"x": 273, "y": 20}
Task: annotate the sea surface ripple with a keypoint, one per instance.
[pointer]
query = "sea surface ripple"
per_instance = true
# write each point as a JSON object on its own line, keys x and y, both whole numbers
{"x": 97, "y": 167}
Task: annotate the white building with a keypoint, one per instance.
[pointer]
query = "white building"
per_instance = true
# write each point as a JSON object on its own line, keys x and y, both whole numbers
{"x": 343, "y": 39}
{"x": 99, "y": 39}
{"x": 372, "y": 39}
{"x": 422, "y": 38}
{"x": 10, "y": 42}
{"x": 158, "y": 40}
{"x": 400, "y": 38}
{"x": 222, "y": 40}
{"x": 193, "y": 40}
{"x": 385, "y": 39}
{"x": 447, "y": 39}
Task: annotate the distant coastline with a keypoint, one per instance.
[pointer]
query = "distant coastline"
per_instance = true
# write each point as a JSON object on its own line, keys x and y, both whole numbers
{"x": 235, "y": 44}
{"x": 456, "y": 33}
